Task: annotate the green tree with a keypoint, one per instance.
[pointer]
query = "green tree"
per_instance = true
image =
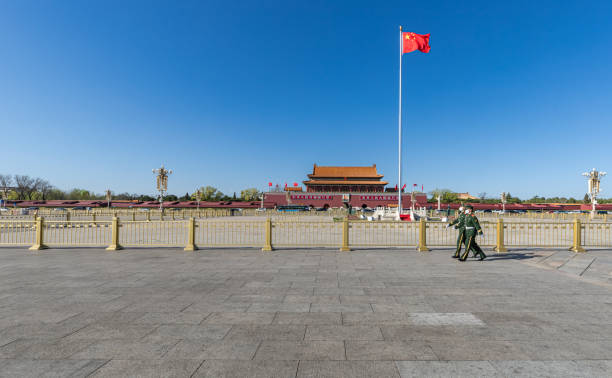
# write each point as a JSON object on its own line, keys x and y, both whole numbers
{"x": 79, "y": 194}
{"x": 250, "y": 194}
{"x": 447, "y": 195}
{"x": 586, "y": 199}
{"x": 210, "y": 193}
{"x": 56, "y": 194}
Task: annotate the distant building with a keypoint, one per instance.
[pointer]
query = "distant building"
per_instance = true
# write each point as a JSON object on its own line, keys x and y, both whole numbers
{"x": 293, "y": 189}
{"x": 345, "y": 180}
{"x": 465, "y": 196}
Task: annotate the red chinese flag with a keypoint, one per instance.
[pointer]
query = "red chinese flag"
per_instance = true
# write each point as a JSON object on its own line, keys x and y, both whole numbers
{"x": 404, "y": 187}
{"x": 414, "y": 41}
{"x": 295, "y": 184}
{"x": 269, "y": 184}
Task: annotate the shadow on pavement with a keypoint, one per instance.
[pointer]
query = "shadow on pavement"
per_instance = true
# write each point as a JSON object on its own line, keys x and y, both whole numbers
{"x": 510, "y": 256}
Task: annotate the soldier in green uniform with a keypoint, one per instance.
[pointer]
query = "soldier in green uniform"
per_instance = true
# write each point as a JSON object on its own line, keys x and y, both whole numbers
{"x": 472, "y": 227}
{"x": 459, "y": 224}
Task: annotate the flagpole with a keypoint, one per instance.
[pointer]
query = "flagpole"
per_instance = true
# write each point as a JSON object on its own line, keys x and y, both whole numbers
{"x": 399, "y": 123}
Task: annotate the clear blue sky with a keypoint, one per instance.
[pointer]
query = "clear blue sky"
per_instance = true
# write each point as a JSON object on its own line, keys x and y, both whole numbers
{"x": 514, "y": 96}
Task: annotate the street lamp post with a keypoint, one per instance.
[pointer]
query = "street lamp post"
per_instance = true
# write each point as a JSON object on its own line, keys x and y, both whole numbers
{"x": 198, "y": 194}
{"x": 503, "y": 201}
{"x": 594, "y": 178}
{"x": 108, "y": 198}
{"x": 162, "y": 183}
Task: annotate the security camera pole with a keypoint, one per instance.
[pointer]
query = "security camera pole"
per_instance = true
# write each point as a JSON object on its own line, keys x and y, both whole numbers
{"x": 162, "y": 183}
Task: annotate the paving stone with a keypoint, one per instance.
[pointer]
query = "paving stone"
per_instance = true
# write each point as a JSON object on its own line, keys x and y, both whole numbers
{"x": 279, "y": 307}
{"x": 267, "y": 332}
{"x": 401, "y": 307}
{"x": 113, "y": 331}
{"x": 478, "y": 350}
{"x": 348, "y": 369}
{"x": 148, "y": 368}
{"x": 389, "y": 350}
{"x": 554, "y": 368}
{"x": 301, "y": 350}
{"x": 377, "y": 318}
{"x": 356, "y": 307}
{"x": 171, "y": 318}
{"x": 339, "y": 332}
{"x": 308, "y": 318}
{"x": 62, "y": 306}
{"x": 124, "y": 349}
{"x": 48, "y": 368}
{"x": 240, "y": 318}
{"x": 203, "y": 308}
{"x": 54, "y": 350}
{"x": 318, "y": 299}
{"x": 254, "y": 298}
{"x": 254, "y": 369}
{"x": 419, "y": 369}
{"x": 188, "y": 332}
{"x": 353, "y": 299}
{"x": 229, "y": 349}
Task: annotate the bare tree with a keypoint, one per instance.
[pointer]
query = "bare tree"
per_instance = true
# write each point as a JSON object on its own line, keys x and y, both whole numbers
{"x": 6, "y": 181}
{"x": 23, "y": 186}
{"x": 44, "y": 187}
{"x": 482, "y": 196}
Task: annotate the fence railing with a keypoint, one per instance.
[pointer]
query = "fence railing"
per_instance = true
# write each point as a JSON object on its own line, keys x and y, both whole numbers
{"x": 268, "y": 234}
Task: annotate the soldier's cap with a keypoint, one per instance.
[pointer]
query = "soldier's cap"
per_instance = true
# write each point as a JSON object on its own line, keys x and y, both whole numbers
{"x": 469, "y": 207}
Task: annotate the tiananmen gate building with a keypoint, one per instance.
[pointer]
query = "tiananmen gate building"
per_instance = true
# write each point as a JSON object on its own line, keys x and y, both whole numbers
{"x": 345, "y": 180}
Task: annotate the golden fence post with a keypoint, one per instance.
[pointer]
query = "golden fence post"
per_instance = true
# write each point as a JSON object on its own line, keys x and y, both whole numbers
{"x": 115, "y": 246}
{"x": 576, "y": 247}
{"x": 149, "y": 216}
{"x": 39, "y": 222}
{"x": 191, "y": 236}
{"x": 268, "y": 245}
{"x": 68, "y": 216}
{"x": 172, "y": 215}
{"x": 133, "y": 216}
{"x": 422, "y": 236}
{"x": 500, "y": 247}
{"x": 345, "y": 236}
{"x": 93, "y": 218}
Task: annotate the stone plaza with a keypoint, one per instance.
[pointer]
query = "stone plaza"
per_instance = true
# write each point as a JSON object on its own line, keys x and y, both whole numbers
{"x": 304, "y": 313}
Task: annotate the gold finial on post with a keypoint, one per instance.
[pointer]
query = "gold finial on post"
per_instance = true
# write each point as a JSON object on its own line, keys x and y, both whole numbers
{"x": 400, "y": 27}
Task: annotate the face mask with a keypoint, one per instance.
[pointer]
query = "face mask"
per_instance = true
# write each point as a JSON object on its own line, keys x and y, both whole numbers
{"x": 468, "y": 211}
{"x": 461, "y": 209}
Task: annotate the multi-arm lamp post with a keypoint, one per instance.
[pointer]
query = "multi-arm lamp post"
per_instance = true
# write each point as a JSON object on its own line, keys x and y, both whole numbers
{"x": 594, "y": 178}
{"x": 162, "y": 183}
{"x": 504, "y": 200}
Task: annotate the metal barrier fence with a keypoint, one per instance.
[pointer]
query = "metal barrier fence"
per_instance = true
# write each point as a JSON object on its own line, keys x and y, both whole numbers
{"x": 269, "y": 234}
{"x": 16, "y": 233}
